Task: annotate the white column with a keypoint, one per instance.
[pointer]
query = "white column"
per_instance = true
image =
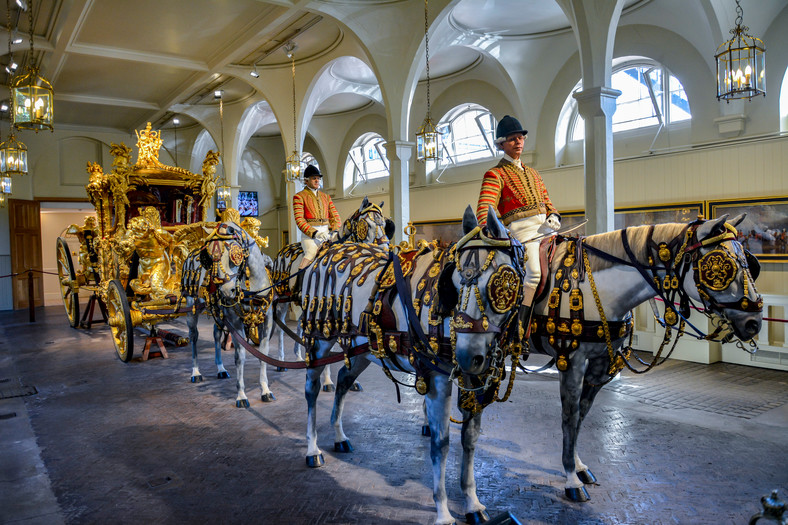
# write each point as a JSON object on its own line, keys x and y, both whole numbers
{"x": 596, "y": 105}
{"x": 398, "y": 153}
{"x": 292, "y": 188}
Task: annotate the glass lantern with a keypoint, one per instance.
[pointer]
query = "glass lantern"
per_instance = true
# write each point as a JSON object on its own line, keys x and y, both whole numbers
{"x": 32, "y": 101}
{"x": 223, "y": 195}
{"x": 427, "y": 141}
{"x": 294, "y": 167}
{"x": 5, "y": 184}
{"x": 13, "y": 157}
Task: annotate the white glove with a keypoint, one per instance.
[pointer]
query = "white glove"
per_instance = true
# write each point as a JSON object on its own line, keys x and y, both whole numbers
{"x": 553, "y": 222}
{"x": 321, "y": 236}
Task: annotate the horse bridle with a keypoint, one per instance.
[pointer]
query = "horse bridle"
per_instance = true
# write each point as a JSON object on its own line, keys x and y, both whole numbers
{"x": 356, "y": 228}
{"x": 712, "y": 271}
{"x": 504, "y": 288}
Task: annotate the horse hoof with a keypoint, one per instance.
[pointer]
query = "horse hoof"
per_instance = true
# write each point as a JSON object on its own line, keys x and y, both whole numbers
{"x": 343, "y": 446}
{"x": 223, "y": 375}
{"x": 280, "y": 369}
{"x": 425, "y": 431}
{"x": 315, "y": 461}
{"x": 587, "y": 477}
{"x": 267, "y": 398}
{"x": 356, "y": 387}
{"x": 242, "y": 403}
{"x": 196, "y": 379}
{"x": 472, "y": 518}
{"x": 579, "y": 494}
{"x": 328, "y": 388}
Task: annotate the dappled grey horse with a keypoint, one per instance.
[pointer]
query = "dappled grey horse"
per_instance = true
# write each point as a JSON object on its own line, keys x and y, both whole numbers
{"x": 232, "y": 276}
{"x": 365, "y": 225}
{"x": 346, "y": 295}
{"x": 601, "y": 278}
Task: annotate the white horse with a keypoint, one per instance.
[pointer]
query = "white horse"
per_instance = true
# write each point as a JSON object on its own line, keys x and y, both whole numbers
{"x": 231, "y": 275}
{"x": 605, "y": 276}
{"x": 366, "y": 225}
{"x": 347, "y": 287}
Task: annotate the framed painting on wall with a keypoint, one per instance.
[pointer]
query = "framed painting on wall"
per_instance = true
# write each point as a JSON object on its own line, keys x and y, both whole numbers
{"x": 763, "y": 230}
{"x": 638, "y": 215}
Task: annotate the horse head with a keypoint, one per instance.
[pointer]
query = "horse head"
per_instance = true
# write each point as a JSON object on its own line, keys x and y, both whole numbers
{"x": 367, "y": 224}
{"x": 483, "y": 287}
{"x": 723, "y": 275}
{"x": 231, "y": 257}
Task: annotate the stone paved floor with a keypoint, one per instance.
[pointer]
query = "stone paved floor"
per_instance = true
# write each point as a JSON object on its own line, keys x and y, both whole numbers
{"x": 99, "y": 441}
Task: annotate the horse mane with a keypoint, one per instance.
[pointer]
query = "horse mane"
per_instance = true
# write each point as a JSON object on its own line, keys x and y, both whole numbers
{"x": 611, "y": 243}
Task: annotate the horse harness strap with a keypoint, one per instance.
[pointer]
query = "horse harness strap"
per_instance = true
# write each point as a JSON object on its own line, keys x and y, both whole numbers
{"x": 424, "y": 354}
{"x": 566, "y": 334}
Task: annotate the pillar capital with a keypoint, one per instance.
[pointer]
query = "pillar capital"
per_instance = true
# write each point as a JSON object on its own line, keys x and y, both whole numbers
{"x": 401, "y": 150}
{"x": 596, "y": 101}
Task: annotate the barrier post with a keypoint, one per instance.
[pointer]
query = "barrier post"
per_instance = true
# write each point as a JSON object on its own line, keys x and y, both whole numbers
{"x": 30, "y": 299}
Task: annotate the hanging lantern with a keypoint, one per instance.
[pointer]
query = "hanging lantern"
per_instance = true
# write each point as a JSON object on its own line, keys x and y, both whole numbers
{"x": 13, "y": 157}
{"x": 427, "y": 135}
{"x": 5, "y": 184}
{"x": 2, "y": 200}
{"x": 741, "y": 64}
{"x": 223, "y": 194}
{"x": 32, "y": 95}
{"x": 294, "y": 167}
{"x": 427, "y": 141}
{"x": 31, "y": 98}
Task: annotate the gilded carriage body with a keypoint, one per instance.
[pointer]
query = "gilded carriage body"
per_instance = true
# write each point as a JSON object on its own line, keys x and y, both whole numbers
{"x": 150, "y": 216}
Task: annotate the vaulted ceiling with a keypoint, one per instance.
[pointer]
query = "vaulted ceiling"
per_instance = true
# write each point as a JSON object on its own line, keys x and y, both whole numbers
{"x": 117, "y": 64}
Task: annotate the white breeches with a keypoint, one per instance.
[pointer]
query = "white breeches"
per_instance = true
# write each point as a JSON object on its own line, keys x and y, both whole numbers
{"x": 310, "y": 246}
{"x": 524, "y": 230}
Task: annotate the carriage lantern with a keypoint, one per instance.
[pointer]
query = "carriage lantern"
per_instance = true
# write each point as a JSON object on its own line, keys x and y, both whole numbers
{"x": 741, "y": 64}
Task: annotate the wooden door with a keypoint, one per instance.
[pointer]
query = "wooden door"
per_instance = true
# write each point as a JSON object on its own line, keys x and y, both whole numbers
{"x": 24, "y": 219}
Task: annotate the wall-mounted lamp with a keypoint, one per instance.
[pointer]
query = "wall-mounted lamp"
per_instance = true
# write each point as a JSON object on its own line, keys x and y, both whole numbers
{"x": 22, "y": 4}
{"x": 254, "y": 72}
{"x": 217, "y": 95}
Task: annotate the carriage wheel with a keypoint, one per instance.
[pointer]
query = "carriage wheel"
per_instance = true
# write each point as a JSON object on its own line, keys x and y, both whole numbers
{"x": 120, "y": 321}
{"x": 66, "y": 278}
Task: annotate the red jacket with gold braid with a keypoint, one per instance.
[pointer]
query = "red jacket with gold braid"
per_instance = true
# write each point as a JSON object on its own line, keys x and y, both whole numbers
{"x": 312, "y": 210}
{"x": 513, "y": 193}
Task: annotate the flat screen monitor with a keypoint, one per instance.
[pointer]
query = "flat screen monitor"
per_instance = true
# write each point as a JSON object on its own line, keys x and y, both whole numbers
{"x": 247, "y": 204}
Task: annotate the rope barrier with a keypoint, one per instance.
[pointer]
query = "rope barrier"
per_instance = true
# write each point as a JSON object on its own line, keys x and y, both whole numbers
{"x": 28, "y": 271}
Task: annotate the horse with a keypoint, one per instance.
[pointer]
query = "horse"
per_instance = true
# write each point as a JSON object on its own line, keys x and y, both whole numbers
{"x": 353, "y": 294}
{"x": 366, "y": 225}
{"x": 231, "y": 275}
{"x": 617, "y": 271}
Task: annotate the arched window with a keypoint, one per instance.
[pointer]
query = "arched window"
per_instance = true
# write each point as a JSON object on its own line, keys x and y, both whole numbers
{"x": 467, "y": 133}
{"x": 650, "y": 96}
{"x": 367, "y": 160}
{"x": 307, "y": 159}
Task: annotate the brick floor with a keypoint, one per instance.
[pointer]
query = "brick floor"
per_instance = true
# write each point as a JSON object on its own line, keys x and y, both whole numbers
{"x": 139, "y": 443}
